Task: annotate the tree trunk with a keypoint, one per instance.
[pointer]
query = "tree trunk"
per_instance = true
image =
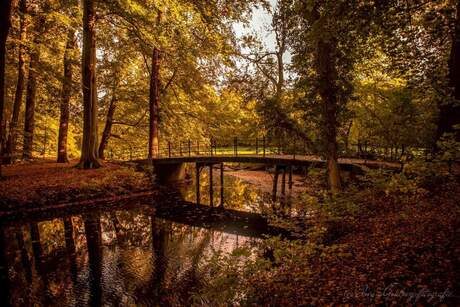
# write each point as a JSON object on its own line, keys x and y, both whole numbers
{"x": 65, "y": 98}
{"x": 154, "y": 105}
{"x": 280, "y": 81}
{"x": 449, "y": 112}
{"x": 327, "y": 75}
{"x": 89, "y": 154}
{"x": 29, "y": 120}
{"x": 11, "y": 142}
{"x": 5, "y": 24}
{"x": 108, "y": 127}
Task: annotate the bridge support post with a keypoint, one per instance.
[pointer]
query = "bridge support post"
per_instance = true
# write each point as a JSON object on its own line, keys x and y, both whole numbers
{"x": 293, "y": 156}
{"x": 222, "y": 185}
{"x": 197, "y": 183}
{"x": 211, "y": 187}
{"x": 283, "y": 183}
{"x": 169, "y": 173}
{"x": 290, "y": 177}
{"x": 275, "y": 182}
{"x": 264, "y": 145}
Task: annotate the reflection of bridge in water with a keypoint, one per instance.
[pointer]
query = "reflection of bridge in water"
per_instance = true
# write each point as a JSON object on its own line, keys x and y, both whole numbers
{"x": 78, "y": 254}
{"x": 168, "y": 207}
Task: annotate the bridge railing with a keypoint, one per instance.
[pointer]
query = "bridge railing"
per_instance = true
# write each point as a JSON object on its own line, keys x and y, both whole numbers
{"x": 262, "y": 146}
{"x": 232, "y": 147}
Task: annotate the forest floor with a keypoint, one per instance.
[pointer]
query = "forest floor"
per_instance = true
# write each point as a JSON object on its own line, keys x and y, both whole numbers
{"x": 264, "y": 180}
{"x": 44, "y": 182}
{"x": 393, "y": 244}
{"x": 394, "y": 241}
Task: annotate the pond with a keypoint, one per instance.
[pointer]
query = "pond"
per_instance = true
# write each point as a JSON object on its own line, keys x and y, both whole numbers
{"x": 119, "y": 255}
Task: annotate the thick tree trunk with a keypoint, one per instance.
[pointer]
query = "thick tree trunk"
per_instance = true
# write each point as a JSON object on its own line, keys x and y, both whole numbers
{"x": 5, "y": 24}
{"x": 449, "y": 112}
{"x": 327, "y": 74}
{"x": 108, "y": 127}
{"x": 65, "y": 99}
{"x": 89, "y": 153}
{"x": 154, "y": 105}
{"x": 11, "y": 142}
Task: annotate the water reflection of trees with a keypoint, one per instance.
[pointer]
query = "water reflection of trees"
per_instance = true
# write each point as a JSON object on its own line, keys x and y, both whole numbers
{"x": 92, "y": 224}
{"x": 117, "y": 258}
{"x": 4, "y": 268}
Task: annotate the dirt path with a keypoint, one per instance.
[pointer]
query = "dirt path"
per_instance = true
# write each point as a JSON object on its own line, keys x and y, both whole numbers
{"x": 263, "y": 180}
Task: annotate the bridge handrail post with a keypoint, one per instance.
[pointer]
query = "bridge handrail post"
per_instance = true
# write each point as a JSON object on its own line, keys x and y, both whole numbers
{"x": 169, "y": 149}
{"x": 197, "y": 148}
{"x": 235, "y": 142}
{"x": 189, "y": 148}
{"x": 257, "y": 146}
{"x": 180, "y": 148}
{"x": 210, "y": 143}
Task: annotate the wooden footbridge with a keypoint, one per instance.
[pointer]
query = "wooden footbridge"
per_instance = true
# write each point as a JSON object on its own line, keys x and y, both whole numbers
{"x": 282, "y": 156}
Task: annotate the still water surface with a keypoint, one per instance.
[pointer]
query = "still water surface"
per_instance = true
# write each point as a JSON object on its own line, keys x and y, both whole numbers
{"x": 116, "y": 257}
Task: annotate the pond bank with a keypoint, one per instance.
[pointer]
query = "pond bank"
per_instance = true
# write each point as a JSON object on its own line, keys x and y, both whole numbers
{"x": 43, "y": 182}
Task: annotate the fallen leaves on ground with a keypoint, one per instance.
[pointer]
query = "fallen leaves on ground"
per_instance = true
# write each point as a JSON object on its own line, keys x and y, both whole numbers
{"x": 45, "y": 182}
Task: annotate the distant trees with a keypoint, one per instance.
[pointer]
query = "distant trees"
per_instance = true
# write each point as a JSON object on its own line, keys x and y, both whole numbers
{"x": 313, "y": 82}
{"x": 154, "y": 108}
{"x": 106, "y": 133}
{"x": 422, "y": 43}
{"x": 18, "y": 96}
{"x": 65, "y": 97}
{"x": 31, "y": 91}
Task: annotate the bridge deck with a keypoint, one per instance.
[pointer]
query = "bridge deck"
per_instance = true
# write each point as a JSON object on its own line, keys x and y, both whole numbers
{"x": 295, "y": 160}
